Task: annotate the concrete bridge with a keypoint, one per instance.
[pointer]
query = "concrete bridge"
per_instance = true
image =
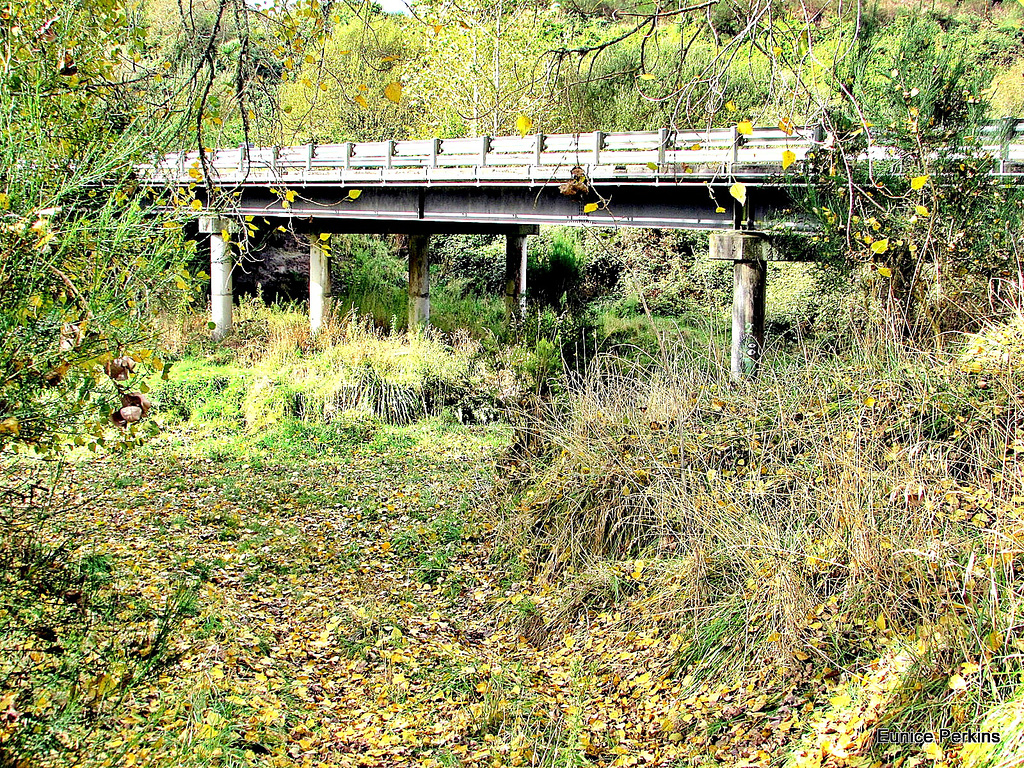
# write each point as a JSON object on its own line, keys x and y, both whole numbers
{"x": 735, "y": 183}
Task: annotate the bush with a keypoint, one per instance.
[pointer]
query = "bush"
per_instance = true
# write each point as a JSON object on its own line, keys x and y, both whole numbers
{"x": 553, "y": 274}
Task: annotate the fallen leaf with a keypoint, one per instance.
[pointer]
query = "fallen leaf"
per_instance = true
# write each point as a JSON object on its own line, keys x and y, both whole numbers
{"x": 393, "y": 92}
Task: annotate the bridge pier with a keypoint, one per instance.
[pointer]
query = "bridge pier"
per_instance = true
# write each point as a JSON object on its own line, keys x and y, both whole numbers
{"x": 748, "y": 284}
{"x": 515, "y": 276}
{"x": 221, "y": 289}
{"x": 319, "y": 280}
{"x": 419, "y": 280}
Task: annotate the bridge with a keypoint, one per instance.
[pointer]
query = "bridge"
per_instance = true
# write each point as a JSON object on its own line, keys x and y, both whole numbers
{"x": 736, "y": 183}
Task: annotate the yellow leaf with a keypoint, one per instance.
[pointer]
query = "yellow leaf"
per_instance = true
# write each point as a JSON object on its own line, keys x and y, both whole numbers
{"x": 788, "y": 158}
{"x": 646, "y": 76}
{"x": 325, "y": 236}
{"x": 918, "y": 182}
{"x": 994, "y": 640}
{"x": 353, "y": 194}
{"x": 745, "y": 127}
{"x": 393, "y": 92}
{"x": 921, "y": 210}
{"x": 731, "y": 106}
{"x": 523, "y": 124}
{"x": 880, "y": 622}
{"x": 361, "y": 101}
{"x": 739, "y": 191}
{"x": 869, "y": 402}
{"x": 885, "y": 272}
{"x": 786, "y": 126}
{"x": 719, "y": 209}
{"x": 653, "y": 166}
{"x": 290, "y": 196}
{"x": 880, "y": 246}
{"x": 840, "y": 701}
{"x": 197, "y": 205}
{"x": 932, "y": 750}
{"x": 590, "y": 207}
{"x": 570, "y": 641}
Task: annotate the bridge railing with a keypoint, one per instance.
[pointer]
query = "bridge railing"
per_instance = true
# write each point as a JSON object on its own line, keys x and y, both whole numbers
{"x": 639, "y": 157}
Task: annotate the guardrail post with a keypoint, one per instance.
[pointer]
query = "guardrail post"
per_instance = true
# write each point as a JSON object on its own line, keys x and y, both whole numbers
{"x": 319, "y": 279}
{"x": 1009, "y": 128}
{"x": 598, "y": 145}
{"x": 347, "y": 153}
{"x": 538, "y": 147}
{"x": 435, "y": 149}
{"x": 389, "y": 153}
{"x": 485, "y": 146}
{"x": 662, "y": 147}
{"x": 309, "y": 157}
{"x": 734, "y": 151}
{"x": 748, "y": 285}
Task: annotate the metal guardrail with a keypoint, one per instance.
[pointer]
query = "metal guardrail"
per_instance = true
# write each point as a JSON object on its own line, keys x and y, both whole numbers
{"x": 637, "y": 157}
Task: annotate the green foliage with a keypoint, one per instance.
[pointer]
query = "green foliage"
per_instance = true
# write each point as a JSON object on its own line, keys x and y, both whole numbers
{"x": 371, "y": 279}
{"x": 554, "y": 275}
{"x": 937, "y": 212}
{"x": 85, "y": 263}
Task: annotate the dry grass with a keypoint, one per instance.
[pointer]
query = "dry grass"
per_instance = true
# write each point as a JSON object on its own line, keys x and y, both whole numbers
{"x": 798, "y": 516}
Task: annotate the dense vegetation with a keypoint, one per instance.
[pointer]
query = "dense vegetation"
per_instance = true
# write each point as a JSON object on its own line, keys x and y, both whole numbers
{"x": 569, "y": 541}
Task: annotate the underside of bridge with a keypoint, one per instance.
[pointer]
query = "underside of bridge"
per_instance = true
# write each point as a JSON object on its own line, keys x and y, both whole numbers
{"x": 706, "y": 205}
{"x": 743, "y": 248}
{"x": 514, "y": 211}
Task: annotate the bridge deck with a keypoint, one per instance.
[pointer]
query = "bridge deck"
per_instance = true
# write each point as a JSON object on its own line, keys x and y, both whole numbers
{"x": 647, "y": 158}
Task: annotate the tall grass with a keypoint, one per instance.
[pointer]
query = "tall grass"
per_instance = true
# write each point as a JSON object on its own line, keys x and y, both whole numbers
{"x": 832, "y": 505}
{"x": 272, "y": 369}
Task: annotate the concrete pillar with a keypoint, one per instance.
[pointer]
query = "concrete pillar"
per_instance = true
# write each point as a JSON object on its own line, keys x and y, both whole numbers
{"x": 319, "y": 280}
{"x": 515, "y": 276}
{"x": 748, "y": 285}
{"x": 221, "y": 290}
{"x": 419, "y": 280}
